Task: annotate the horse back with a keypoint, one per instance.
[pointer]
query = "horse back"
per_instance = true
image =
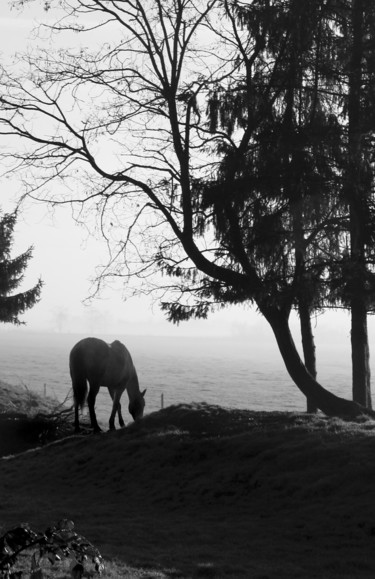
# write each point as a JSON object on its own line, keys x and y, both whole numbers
{"x": 89, "y": 359}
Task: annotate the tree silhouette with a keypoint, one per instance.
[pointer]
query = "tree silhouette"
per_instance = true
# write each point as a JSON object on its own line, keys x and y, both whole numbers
{"x": 319, "y": 153}
{"x": 293, "y": 156}
{"x": 12, "y": 305}
{"x": 359, "y": 185}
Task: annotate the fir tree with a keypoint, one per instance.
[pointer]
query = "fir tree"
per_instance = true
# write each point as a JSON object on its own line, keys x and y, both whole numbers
{"x": 12, "y": 305}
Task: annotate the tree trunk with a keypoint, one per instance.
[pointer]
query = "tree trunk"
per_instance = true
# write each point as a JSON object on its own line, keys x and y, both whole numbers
{"x": 361, "y": 373}
{"x": 308, "y": 345}
{"x": 326, "y": 401}
{"x": 357, "y": 197}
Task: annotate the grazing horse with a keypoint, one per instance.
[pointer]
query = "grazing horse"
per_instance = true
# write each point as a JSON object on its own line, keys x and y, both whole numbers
{"x": 100, "y": 364}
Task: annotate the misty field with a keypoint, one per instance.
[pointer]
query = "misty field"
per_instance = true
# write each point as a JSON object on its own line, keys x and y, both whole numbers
{"x": 202, "y": 491}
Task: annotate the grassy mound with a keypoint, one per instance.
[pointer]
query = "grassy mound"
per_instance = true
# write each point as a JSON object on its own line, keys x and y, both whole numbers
{"x": 203, "y": 491}
{"x": 28, "y": 419}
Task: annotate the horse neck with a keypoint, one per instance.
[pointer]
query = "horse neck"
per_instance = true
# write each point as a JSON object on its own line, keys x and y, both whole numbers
{"x": 133, "y": 387}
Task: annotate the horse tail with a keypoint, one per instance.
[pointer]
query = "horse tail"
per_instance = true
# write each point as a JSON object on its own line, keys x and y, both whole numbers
{"x": 79, "y": 380}
{"x": 80, "y": 390}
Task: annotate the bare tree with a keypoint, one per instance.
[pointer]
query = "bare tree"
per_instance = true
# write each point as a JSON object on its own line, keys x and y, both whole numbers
{"x": 122, "y": 133}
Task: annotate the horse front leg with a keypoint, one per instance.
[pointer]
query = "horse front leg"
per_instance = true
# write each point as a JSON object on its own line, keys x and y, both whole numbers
{"x": 120, "y": 418}
{"x": 112, "y": 418}
{"x": 116, "y": 407}
{"x": 94, "y": 389}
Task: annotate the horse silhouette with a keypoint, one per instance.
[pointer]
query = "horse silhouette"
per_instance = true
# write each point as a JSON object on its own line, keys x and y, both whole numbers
{"x": 95, "y": 362}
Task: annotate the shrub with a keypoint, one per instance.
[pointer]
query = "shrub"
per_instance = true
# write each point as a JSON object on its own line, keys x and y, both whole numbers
{"x": 55, "y": 544}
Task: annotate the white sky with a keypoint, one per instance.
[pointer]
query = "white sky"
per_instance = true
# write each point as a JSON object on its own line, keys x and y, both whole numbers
{"x": 65, "y": 258}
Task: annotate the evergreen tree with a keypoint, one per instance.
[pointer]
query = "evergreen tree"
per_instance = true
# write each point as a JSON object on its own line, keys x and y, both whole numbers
{"x": 312, "y": 151}
{"x": 359, "y": 186}
{"x": 291, "y": 161}
{"x": 352, "y": 275}
{"x": 12, "y": 305}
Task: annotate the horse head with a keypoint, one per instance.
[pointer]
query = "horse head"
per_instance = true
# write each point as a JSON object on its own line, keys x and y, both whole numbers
{"x": 137, "y": 405}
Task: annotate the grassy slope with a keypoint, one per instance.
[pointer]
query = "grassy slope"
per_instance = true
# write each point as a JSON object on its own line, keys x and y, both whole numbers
{"x": 20, "y": 427}
{"x": 200, "y": 491}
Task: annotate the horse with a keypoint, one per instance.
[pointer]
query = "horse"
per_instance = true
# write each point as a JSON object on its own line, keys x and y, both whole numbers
{"x": 100, "y": 364}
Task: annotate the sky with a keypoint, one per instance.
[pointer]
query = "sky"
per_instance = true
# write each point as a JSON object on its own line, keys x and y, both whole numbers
{"x": 65, "y": 257}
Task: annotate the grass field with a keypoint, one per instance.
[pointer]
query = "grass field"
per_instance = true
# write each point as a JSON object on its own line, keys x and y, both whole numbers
{"x": 203, "y": 491}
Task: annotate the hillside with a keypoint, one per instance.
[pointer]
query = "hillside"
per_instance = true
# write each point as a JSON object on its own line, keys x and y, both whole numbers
{"x": 203, "y": 491}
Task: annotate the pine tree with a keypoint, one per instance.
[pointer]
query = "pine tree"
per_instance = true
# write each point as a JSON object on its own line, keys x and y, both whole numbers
{"x": 12, "y": 305}
{"x": 291, "y": 165}
{"x": 359, "y": 188}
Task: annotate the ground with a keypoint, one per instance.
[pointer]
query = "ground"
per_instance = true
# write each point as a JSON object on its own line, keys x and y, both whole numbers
{"x": 202, "y": 491}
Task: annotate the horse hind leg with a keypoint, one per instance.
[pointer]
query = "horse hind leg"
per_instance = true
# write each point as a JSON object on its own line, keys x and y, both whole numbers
{"x": 91, "y": 399}
{"x": 76, "y": 418}
{"x": 79, "y": 386}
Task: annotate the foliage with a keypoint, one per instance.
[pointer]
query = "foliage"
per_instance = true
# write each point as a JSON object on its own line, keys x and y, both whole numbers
{"x": 46, "y": 427}
{"x": 11, "y": 275}
{"x": 56, "y": 543}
